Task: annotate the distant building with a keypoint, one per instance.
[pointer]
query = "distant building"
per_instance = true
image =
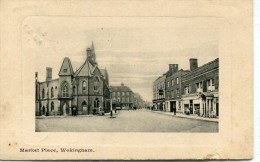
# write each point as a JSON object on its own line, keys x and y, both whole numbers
{"x": 200, "y": 89}
{"x": 159, "y": 93}
{"x": 122, "y": 97}
{"x": 85, "y": 91}
{"x": 173, "y": 87}
{"x": 138, "y": 101}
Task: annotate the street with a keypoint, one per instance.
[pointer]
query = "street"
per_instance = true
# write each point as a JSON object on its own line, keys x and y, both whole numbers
{"x": 125, "y": 121}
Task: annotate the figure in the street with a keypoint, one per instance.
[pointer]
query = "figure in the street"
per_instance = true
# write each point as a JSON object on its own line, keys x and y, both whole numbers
{"x": 174, "y": 109}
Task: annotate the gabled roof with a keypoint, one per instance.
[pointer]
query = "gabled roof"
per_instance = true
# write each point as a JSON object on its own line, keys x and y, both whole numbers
{"x": 66, "y": 67}
{"x": 86, "y": 69}
{"x": 104, "y": 73}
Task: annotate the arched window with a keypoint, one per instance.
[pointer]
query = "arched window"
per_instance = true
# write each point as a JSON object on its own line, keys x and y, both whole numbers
{"x": 43, "y": 93}
{"x": 74, "y": 90}
{"x": 84, "y": 86}
{"x": 65, "y": 91}
{"x": 52, "y": 93}
{"x": 96, "y": 82}
{"x": 96, "y": 102}
{"x": 52, "y": 106}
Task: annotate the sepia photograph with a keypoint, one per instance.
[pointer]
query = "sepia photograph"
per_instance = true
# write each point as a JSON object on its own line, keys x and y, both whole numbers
{"x": 131, "y": 78}
{"x": 126, "y": 80}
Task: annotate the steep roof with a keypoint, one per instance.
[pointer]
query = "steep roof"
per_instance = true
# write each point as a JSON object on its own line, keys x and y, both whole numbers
{"x": 85, "y": 70}
{"x": 104, "y": 73}
{"x": 66, "y": 67}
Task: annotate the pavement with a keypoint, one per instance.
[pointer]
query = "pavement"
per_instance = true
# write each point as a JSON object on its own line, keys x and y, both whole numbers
{"x": 187, "y": 116}
{"x": 125, "y": 121}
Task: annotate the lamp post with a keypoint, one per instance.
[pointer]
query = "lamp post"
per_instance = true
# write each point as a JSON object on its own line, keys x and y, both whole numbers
{"x": 111, "y": 108}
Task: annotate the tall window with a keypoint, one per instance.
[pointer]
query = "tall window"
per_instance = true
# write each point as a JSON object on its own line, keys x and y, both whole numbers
{"x": 172, "y": 82}
{"x": 52, "y": 106}
{"x": 43, "y": 93}
{"x": 177, "y": 80}
{"x": 199, "y": 87}
{"x": 74, "y": 90}
{"x": 65, "y": 91}
{"x": 168, "y": 84}
{"x": 123, "y": 93}
{"x": 210, "y": 85}
{"x": 177, "y": 92}
{"x": 96, "y": 102}
{"x": 96, "y": 80}
{"x": 187, "y": 89}
{"x": 52, "y": 93}
{"x": 84, "y": 86}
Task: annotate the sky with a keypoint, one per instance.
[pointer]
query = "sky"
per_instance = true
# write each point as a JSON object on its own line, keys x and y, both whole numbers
{"x": 134, "y": 50}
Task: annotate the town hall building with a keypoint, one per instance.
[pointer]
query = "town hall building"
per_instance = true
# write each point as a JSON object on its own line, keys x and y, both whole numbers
{"x": 84, "y": 91}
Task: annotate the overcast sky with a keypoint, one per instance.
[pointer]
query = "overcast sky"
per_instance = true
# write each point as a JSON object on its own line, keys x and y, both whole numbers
{"x": 134, "y": 50}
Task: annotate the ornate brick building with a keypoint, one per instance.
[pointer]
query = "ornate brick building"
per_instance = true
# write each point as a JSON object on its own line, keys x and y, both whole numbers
{"x": 200, "y": 89}
{"x": 86, "y": 90}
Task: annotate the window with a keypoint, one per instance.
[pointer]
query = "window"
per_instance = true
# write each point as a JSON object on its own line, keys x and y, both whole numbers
{"x": 177, "y": 80}
{"x": 123, "y": 93}
{"x": 168, "y": 84}
{"x": 74, "y": 90}
{"x": 65, "y": 91}
{"x": 65, "y": 70}
{"x": 210, "y": 85}
{"x": 177, "y": 92}
{"x": 172, "y": 94}
{"x": 187, "y": 90}
{"x": 114, "y": 94}
{"x": 52, "y": 93}
{"x": 96, "y": 81}
{"x": 84, "y": 85}
{"x": 172, "y": 82}
{"x": 118, "y": 94}
{"x": 96, "y": 102}
{"x": 199, "y": 87}
{"x": 127, "y": 93}
{"x": 43, "y": 93}
{"x": 52, "y": 106}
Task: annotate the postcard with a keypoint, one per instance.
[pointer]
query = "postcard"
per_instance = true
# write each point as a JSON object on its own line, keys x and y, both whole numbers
{"x": 121, "y": 80}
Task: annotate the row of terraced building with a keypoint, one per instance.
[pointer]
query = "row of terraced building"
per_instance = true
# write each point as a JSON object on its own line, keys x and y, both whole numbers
{"x": 190, "y": 92}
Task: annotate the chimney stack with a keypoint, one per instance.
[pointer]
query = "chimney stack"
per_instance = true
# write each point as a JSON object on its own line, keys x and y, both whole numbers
{"x": 193, "y": 63}
{"x": 48, "y": 74}
{"x": 173, "y": 68}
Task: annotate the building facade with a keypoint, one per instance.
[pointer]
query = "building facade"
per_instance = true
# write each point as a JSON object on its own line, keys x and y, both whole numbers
{"x": 84, "y": 91}
{"x": 159, "y": 93}
{"x": 200, "y": 89}
{"x": 122, "y": 97}
{"x": 173, "y": 87}
{"x": 138, "y": 101}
